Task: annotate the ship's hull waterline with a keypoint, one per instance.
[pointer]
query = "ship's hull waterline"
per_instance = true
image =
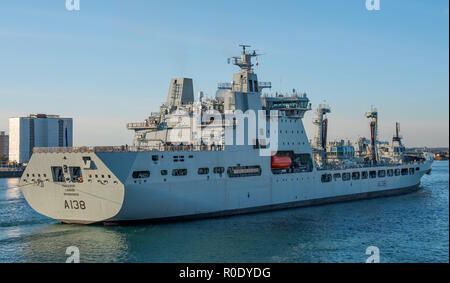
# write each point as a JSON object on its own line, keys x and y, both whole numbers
{"x": 109, "y": 193}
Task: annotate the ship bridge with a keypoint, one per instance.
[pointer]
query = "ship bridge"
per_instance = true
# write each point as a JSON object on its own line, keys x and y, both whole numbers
{"x": 293, "y": 106}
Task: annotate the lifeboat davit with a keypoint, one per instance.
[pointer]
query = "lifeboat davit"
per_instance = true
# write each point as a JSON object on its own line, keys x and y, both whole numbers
{"x": 281, "y": 162}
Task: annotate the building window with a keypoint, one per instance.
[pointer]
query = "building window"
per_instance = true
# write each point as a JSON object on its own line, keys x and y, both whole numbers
{"x": 179, "y": 172}
{"x": 60, "y": 133}
{"x": 141, "y": 174}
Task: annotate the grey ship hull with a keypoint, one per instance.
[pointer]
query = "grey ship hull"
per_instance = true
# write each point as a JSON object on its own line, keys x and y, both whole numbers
{"x": 109, "y": 193}
{"x": 273, "y": 207}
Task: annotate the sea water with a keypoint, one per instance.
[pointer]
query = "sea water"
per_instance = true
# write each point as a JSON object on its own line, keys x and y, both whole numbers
{"x": 407, "y": 228}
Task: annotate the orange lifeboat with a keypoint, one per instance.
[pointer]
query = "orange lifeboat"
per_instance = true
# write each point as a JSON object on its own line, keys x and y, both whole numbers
{"x": 281, "y": 162}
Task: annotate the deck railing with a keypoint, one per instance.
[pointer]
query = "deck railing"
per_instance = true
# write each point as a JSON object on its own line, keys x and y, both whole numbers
{"x": 366, "y": 166}
{"x": 124, "y": 148}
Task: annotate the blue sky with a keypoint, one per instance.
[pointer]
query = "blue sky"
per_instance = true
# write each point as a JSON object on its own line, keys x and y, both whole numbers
{"x": 111, "y": 62}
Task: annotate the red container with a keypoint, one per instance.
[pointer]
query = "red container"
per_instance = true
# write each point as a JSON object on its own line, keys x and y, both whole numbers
{"x": 281, "y": 162}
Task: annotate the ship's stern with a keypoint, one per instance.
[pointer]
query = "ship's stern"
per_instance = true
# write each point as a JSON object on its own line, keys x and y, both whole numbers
{"x": 72, "y": 187}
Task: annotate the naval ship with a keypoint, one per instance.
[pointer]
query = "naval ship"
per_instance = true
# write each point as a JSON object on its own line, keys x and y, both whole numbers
{"x": 240, "y": 152}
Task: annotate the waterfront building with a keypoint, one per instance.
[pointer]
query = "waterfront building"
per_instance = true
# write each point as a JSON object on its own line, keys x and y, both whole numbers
{"x": 37, "y": 130}
{"x": 4, "y": 145}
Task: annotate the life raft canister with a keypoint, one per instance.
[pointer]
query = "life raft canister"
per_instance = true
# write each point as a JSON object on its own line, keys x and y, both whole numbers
{"x": 280, "y": 162}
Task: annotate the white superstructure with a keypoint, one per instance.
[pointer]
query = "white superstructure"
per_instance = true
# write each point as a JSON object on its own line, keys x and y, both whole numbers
{"x": 241, "y": 152}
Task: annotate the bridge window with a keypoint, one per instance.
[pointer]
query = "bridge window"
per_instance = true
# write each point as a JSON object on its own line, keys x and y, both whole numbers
{"x": 397, "y": 172}
{"x": 141, "y": 174}
{"x": 179, "y": 172}
{"x": 372, "y": 174}
{"x": 381, "y": 173}
{"x": 203, "y": 171}
{"x": 326, "y": 178}
{"x": 355, "y": 175}
{"x": 390, "y": 173}
{"x": 411, "y": 171}
{"x": 163, "y": 172}
{"x": 404, "y": 171}
{"x": 337, "y": 176}
{"x": 58, "y": 174}
{"x": 364, "y": 175}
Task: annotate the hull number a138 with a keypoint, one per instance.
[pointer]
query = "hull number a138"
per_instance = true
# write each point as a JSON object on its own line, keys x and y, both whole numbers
{"x": 74, "y": 204}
